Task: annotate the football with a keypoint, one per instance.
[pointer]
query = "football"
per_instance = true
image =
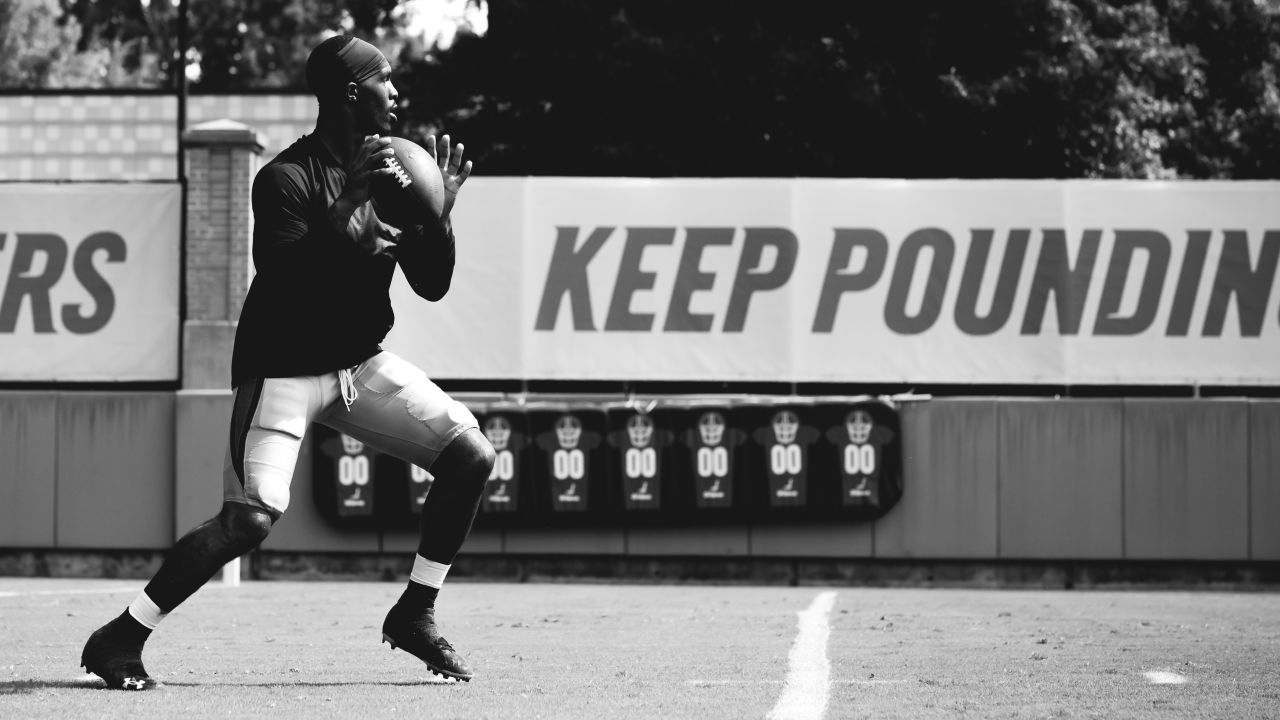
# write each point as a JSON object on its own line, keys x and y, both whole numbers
{"x": 415, "y": 193}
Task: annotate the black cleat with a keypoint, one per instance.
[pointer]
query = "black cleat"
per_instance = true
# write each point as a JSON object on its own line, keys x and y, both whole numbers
{"x": 116, "y": 661}
{"x": 416, "y": 634}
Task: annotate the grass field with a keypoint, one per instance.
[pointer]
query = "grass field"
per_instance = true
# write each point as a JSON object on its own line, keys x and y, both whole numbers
{"x": 312, "y": 649}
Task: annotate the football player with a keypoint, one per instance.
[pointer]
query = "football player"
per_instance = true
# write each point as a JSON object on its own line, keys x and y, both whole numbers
{"x": 307, "y": 349}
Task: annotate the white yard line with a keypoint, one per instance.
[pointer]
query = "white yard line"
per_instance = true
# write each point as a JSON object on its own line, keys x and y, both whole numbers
{"x": 1164, "y": 677}
{"x": 738, "y": 681}
{"x": 80, "y": 591}
{"x": 809, "y": 672}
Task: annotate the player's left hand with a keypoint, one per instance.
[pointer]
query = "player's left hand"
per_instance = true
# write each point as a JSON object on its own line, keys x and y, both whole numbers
{"x": 453, "y": 171}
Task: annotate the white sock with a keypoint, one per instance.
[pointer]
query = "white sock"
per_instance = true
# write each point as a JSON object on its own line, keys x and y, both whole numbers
{"x": 146, "y": 612}
{"x": 426, "y": 572}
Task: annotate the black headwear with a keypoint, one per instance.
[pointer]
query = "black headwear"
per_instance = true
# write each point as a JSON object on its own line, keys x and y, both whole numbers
{"x": 342, "y": 59}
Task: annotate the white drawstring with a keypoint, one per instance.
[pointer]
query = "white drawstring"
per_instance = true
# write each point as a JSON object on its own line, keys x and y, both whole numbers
{"x": 347, "y": 384}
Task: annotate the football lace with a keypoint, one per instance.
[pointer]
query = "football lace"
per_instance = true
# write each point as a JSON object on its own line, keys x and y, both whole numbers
{"x": 402, "y": 176}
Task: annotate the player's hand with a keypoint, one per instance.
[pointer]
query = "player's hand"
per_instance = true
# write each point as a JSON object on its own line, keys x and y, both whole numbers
{"x": 367, "y": 164}
{"x": 453, "y": 171}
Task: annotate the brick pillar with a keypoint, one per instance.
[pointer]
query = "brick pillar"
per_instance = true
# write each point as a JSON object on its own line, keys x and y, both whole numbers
{"x": 222, "y": 158}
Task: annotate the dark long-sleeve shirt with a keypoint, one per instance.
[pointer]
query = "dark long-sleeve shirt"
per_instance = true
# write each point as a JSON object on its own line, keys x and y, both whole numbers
{"x": 319, "y": 301}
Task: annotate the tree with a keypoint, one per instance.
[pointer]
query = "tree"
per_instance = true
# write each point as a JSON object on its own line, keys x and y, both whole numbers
{"x": 916, "y": 88}
{"x": 232, "y": 44}
{"x": 1090, "y": 89}
{"x": 1234, "y": 127}
{"x": 43, "y": 47}
{"x": 242, "y": 44}
{"x": 921, "y": 88}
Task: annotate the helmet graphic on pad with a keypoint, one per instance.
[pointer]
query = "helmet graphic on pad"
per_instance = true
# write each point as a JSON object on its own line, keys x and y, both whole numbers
{"x": 498, "y": 431}
{"x": 711, "y": 427}
{"x": 786, "y": 426}
{"x": 859, "y": 425}
{"x": 640, "y": 430}
{"x": 568, "y": 431}
{"x": 351, "y": 446}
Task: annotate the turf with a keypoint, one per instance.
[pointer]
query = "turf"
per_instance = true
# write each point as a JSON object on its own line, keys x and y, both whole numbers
{"x": 311, "y": 649}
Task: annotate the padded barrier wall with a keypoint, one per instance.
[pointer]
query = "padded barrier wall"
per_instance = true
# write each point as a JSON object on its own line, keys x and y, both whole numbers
{"x": 988, "y": 478}
{"x": 611, "y": 463}
{"x": 87, "y": 470}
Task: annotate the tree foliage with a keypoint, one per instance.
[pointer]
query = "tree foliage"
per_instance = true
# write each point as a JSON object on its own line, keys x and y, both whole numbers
{"x": 264, "y": 43}
{"x": 917, "y": 88}
{"x": 920, "y": 88}
{"x": 44, "y": 45}
{"x": 233, "y": 44}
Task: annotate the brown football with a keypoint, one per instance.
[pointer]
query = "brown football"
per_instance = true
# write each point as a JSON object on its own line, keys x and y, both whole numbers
{"x": 415, "y": 193}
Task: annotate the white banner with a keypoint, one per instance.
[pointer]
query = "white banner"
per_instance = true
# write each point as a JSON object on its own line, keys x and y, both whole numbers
{"x": 90, "y": 282}
{"x": 1064, "y": 282}
{"x": 476, "y": 330}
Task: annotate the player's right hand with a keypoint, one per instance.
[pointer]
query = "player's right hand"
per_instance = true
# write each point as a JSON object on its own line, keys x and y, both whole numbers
{"x": 367, "y": 164}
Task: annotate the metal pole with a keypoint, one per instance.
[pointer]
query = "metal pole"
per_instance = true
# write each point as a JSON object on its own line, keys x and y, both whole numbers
{"x": 181, "y": 70}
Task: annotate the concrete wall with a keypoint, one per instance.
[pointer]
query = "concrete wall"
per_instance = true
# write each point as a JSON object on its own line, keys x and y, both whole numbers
{"x": 986, "y": 479}
{"x": 92, "y": 470}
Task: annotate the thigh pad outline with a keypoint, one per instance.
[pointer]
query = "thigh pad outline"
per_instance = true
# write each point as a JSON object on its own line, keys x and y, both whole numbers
{"x": 387, "y": 373}
{"x": 286, "y": 405}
